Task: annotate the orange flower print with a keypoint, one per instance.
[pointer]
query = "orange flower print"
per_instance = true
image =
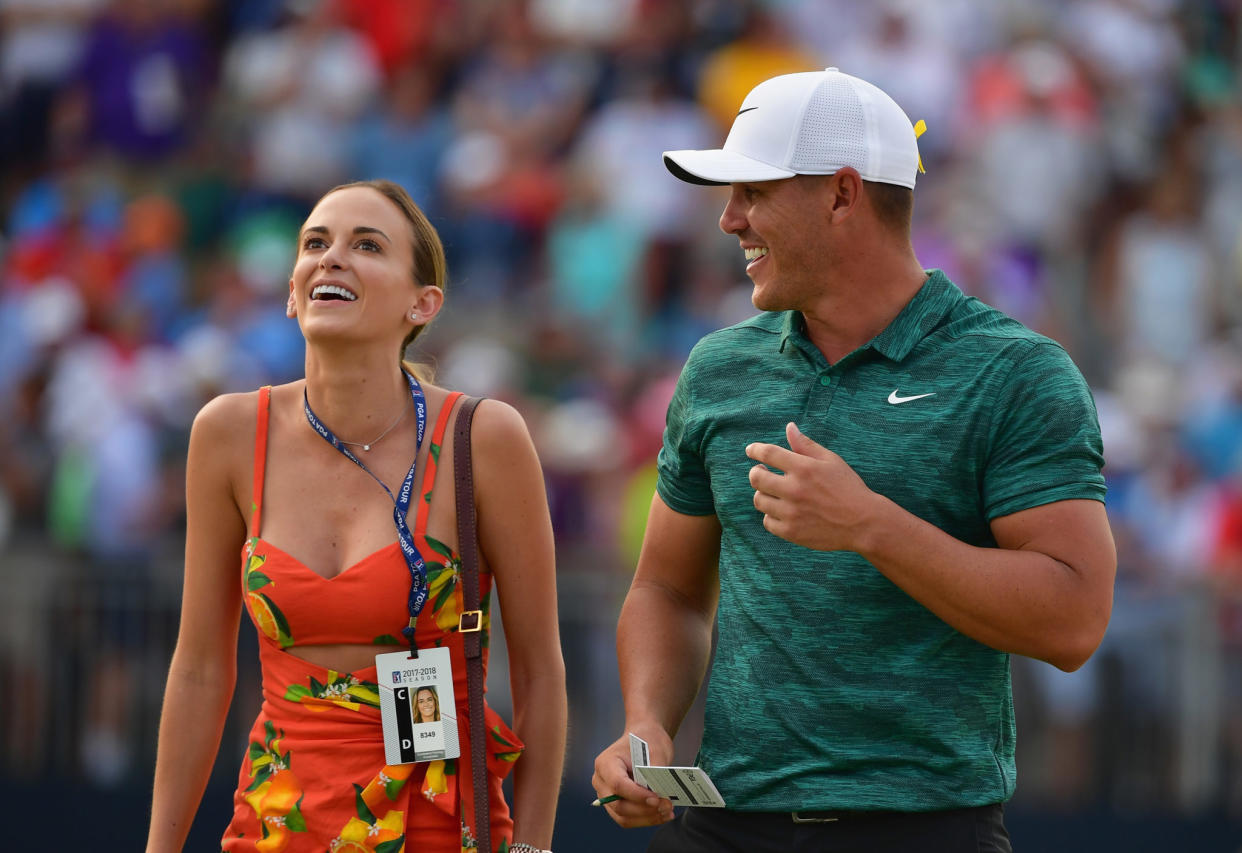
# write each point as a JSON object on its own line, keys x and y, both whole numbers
{"x": 443, "y": 590}
{"x": 267, "y": 616}
{"x": 368, "y": 832}
{"x": 342, "y": 690}
{"x": 383, "y": 789}
{"x": 275, "y": 802}
{"x": 274, "y": 793}
{"x": 435, "y": 782}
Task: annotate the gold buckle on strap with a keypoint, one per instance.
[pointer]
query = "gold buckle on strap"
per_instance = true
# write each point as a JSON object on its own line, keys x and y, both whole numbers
{"x": 467, "y": 614}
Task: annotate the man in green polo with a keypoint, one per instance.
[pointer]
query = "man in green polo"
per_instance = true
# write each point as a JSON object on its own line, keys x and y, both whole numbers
{"x": 879, "y": 488}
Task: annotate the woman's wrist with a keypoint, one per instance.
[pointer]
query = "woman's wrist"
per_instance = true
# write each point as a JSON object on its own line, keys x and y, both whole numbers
{"x": 523, "y": 847}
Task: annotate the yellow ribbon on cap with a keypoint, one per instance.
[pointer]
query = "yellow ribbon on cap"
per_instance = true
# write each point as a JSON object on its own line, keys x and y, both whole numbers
{"x": 920, "y": 127}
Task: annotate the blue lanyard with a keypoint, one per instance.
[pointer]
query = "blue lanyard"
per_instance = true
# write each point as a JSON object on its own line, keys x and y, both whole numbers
{"x": 401, "y": 504}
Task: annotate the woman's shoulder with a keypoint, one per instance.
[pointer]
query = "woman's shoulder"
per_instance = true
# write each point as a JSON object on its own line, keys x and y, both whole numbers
{"x": 493, "y": 419}
{"x": 497, "y": 424}
{"x": 502, "y": 444}
{"x": 232, "y": 416}
{"x": 223, "y": 411}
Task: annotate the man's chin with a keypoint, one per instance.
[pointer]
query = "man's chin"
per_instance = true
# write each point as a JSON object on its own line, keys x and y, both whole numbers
{"x": 764, "y": 301}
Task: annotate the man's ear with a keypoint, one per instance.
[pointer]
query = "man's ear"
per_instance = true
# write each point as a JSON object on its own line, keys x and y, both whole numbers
{"x": 847, "y": 190}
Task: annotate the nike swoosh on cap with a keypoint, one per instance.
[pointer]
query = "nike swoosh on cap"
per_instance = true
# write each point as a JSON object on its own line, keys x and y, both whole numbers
{"x": 748, "y": 109}
{"x": 897, "y": 400}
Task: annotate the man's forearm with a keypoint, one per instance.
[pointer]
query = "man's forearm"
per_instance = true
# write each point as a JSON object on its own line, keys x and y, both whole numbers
{"x": 663, "y": 646}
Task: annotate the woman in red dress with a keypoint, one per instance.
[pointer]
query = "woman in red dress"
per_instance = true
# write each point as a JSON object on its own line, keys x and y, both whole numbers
{"x": 328, "y": 584}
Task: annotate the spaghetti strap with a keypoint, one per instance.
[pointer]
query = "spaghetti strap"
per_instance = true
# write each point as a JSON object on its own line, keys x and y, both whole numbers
{"x": 260, "y": 459}
{"x": 433, "y": 460}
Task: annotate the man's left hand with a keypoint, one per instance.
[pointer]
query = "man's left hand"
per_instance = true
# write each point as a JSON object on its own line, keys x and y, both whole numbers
{"x": 819, "y": 502}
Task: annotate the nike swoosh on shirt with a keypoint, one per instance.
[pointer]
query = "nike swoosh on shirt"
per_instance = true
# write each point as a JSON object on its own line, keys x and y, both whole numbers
{"x": 897, "y": 401}
{"x": 748, "y": 109}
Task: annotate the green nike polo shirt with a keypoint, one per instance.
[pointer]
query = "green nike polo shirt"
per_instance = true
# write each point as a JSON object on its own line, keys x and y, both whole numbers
{"x": 832, "y": 688}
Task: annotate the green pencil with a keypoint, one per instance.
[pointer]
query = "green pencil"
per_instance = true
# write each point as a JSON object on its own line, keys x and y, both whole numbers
{"x": 611, "y": 798}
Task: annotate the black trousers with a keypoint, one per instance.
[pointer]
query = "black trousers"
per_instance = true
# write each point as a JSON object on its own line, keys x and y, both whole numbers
{"x": 971, "y": 830}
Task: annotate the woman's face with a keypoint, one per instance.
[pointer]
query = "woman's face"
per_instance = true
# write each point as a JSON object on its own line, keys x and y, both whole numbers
{"x": 426, "y": 706}
{"x": 353, "y": 275}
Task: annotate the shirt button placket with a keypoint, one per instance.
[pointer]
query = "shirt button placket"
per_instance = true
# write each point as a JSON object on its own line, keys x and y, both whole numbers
{"x": 829, "y": 383}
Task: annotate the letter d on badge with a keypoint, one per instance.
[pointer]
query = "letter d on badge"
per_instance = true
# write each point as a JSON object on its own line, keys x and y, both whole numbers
{"x": 398, "y": 731}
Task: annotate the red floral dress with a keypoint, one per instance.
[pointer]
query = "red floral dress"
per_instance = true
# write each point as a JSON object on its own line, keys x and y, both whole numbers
{"x": 314, "y": 777}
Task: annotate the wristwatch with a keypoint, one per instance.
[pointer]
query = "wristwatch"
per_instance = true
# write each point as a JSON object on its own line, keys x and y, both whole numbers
{"x": 523, "y": 847}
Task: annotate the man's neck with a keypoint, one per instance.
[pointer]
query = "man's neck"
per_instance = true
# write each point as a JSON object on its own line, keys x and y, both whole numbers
{"x": 855, "y": 308}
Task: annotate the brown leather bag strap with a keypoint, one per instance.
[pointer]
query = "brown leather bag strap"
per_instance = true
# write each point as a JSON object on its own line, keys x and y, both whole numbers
{"x": 471, "y": 622}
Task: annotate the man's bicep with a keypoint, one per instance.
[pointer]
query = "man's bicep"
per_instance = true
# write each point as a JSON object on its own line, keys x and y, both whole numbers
{"x": 1073, "y": 532}
{"x": 680, "y": 556}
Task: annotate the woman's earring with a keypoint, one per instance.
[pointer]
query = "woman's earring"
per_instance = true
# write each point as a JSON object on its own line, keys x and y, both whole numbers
{"x": 413, "y": 315}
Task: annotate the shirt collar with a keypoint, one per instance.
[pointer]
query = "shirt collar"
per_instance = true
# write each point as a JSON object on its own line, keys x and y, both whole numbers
{"x": 921, "y": 315}
{"x": 791, "y": 327}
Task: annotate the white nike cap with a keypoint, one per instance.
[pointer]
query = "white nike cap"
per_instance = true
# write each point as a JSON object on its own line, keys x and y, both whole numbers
{"x": 809, "y": 123}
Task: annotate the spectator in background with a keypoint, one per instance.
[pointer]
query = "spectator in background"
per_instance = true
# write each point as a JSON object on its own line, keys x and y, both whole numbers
{"x": 500, "y": 194}
{"x": 40, "y": 49}
{"x": 405, "y": 33}
{"x": 523, "y": 89}
{"x": 258, "y": 252}
{"x": 908, "y": 59}
{"x": 1217, "y": 148}
{"x": 619, "y": 142}
{"x": 156, "y": 281}
{"x": 295, "y": 91}
{"x": 594, "y": 256}
{"x": 1159, "y": 276}
{"x": 1037, "y": 163}
{"x": 1130, "y": 48}
{"x": 107, "y": 399}
{"x": 762, "y": 49}
{"x": 517, "y": 104}
{"x": 404, "y": 136}
{"x": 620, "y": 149}
{"x": 145, "y": 74}
{"x": 1032, "y": 176}
{"x": 233, "y": 343}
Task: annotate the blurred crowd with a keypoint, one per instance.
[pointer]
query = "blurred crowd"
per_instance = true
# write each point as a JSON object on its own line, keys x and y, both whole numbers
{"x": 1083, "y": 173}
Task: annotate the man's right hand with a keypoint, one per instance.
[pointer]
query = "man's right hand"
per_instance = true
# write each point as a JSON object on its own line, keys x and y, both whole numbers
{"x": 614, "y": 775}
{"x": 664, "y": 640}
